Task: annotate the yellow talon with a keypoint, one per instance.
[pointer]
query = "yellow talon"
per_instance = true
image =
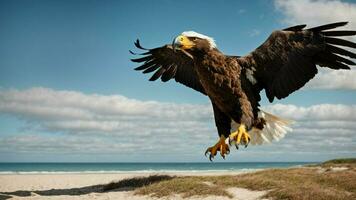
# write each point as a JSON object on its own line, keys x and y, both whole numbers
{"x": 247, "y": 138}
{"x": 240, "y": 133}
{"x": 219, "y": 146}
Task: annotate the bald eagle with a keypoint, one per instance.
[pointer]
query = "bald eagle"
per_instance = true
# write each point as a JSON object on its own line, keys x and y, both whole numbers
{"x": 284, "y": 63}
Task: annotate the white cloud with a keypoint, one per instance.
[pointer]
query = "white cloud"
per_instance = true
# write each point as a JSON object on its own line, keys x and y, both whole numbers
{"x": 72, "y": 122}
{"x": 75, "y": 112}
{"x": 322, "y": 112}
{"x": 319, "y": 12}
{"x": 334, "y": 79}
{"x": 92, "y": 123}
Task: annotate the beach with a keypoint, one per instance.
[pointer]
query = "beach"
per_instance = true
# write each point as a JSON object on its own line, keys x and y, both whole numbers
{"x": 334, "y": 179}
{"x": 87, "y": 186}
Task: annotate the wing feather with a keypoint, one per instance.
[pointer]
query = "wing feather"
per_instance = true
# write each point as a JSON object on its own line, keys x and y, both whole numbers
{"x": 340, "y": 51}
{"x": 157, "y": 74}
{"x": 145, "y": 65}
{"x": 287, "y": 60}
{"x": 143, "y": 59}
{"x": 341, "y": 42}
{"x": 151, "y": 69}
{"x": 328, "y": 26}
{"x": 339, "y": 33}
{"x": 168, "y": 64}
{"x": 168, "y": 74}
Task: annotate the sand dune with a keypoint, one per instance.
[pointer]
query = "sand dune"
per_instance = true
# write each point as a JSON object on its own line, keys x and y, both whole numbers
{"x": 89, "y": 186}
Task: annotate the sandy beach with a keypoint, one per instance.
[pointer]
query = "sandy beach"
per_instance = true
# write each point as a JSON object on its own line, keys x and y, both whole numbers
{"x": 334, "y": 179}
{"x": 88, "y": 186}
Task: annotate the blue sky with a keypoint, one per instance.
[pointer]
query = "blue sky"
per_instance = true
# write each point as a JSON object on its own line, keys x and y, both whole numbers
{"x": 48, "y": 47}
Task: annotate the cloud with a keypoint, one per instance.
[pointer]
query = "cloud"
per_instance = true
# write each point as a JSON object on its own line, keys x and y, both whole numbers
{"x": 322, "y": 112}
{"x": 75, "y": 112}
{"x": 315, "y": 13}
{"x": 332, "y": 79}
{"x": 70, "y": 122}
{"x": 74, "y": 122}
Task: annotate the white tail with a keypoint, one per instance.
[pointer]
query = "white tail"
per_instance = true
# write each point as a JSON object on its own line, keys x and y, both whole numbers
{"x": 275, "y": 129}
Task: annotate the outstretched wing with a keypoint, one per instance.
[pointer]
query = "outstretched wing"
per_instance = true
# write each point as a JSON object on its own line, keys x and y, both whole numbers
{"x": 287, "y": 60}
{"x": 167, "y": 64}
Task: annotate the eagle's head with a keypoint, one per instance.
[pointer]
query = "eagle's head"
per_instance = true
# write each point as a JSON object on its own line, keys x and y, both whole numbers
{"x": 193, "y": 41}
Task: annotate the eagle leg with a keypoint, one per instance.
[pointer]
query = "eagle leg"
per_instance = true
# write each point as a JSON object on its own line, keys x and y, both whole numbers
{"x": 219, "y": 146}
{"x": 240, "y": 136}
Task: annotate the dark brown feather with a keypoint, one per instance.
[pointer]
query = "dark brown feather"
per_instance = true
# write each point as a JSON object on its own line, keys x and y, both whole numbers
{"x": 168, "y": 74}
{"x": 146, "y": 58}
{"x": 169, "y": 64}
{"x": 341, "y": 42}
{"x": 340, "y": 51}
{"x": 337, "y": 65}
{"x": 151, "y": 69}
{"x": 157, "y": 74}
{"x": 328, "y": 26}
{"x": 339, "y": 33}
{"x": 145, "y": 65}
{"x": 138, "y": 45}
{"x": 295, "y": 28}
{"x": 287, "y": 60}
{"x": 340, "y": 59}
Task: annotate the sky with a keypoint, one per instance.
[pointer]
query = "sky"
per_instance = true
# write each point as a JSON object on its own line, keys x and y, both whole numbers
{"x": 68, "y": 91}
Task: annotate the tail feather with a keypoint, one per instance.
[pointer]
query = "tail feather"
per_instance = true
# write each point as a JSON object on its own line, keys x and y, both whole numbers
{"x": 274, "y": 130}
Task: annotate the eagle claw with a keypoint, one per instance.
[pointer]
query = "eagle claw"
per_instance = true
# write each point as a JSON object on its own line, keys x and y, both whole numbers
{"x": 219, "y": 146}
{"x": 240, "y": 136}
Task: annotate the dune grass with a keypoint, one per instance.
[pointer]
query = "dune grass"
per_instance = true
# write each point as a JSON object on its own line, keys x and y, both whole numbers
{"x": 341, "y": 161}
{"x": 184, "y": 186}
{"x": 292, "y": 184}
{"x": 132, "y": 183}
{"x": 298, "y": 184}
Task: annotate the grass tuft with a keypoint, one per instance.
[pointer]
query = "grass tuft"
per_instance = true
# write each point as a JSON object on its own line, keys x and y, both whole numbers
{"x": 136, "y": 182}
{"x": 341, "y": 161}
{"x": 184, "y": 186}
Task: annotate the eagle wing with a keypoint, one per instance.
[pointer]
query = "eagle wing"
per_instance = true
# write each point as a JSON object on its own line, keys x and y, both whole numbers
{"x": 167, "y": 64}
{"x": 287, "y": 60}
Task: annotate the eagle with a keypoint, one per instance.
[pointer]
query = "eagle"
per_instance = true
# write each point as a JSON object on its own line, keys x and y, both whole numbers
{"x": 284, "y": 63}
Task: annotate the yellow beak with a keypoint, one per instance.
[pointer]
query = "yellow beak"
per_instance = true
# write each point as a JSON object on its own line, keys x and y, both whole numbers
{"x": 182, "y": 42}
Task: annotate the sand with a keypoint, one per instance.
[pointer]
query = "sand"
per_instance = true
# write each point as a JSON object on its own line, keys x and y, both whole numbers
{"x": 87, "y": 186}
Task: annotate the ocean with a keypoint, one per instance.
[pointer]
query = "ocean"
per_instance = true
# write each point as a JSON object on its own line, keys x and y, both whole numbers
{"x": 67, "y": 168}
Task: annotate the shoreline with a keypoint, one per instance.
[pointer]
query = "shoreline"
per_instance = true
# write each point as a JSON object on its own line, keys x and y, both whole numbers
{"x": 68, "y": 168}
{"x": 169, "y": 172}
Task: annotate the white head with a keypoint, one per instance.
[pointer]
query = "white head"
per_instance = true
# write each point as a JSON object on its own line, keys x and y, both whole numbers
{"x": 193, "y": 40}
{"x": 201, "y": 36}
